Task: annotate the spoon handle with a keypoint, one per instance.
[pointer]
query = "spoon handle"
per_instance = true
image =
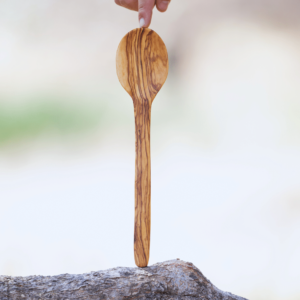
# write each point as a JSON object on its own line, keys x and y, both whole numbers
{"x": 142, "y": 218}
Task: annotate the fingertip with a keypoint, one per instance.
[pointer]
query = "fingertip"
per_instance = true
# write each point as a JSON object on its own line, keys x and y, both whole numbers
{"x": 145, "y": 19}
{"x": 162, "y": 6}
{"x": 145, "y": 11}
{"x": 143, "y": 23}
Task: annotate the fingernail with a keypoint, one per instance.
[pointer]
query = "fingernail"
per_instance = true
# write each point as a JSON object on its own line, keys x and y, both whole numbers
{"x": 142, "y": 22}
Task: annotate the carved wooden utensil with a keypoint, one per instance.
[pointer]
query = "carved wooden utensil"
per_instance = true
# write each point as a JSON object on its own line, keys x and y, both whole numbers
{"x": 142, "y": 68}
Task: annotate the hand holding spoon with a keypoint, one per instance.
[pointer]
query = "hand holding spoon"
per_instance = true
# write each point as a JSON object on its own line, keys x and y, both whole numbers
{"x": 142, "y": 68}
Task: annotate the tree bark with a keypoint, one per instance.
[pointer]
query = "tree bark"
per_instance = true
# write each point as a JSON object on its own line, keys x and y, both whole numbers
{"x": 173, "y": 279}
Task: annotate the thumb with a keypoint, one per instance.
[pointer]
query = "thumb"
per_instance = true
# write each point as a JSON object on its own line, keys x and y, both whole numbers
{"x": 145, "y": 12}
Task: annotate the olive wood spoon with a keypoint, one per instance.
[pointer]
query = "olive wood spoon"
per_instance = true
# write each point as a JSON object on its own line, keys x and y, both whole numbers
{"x": 142, "y": 68}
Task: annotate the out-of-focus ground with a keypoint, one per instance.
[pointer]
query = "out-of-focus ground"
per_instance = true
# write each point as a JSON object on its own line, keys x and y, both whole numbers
{"x": 225, "y": 141}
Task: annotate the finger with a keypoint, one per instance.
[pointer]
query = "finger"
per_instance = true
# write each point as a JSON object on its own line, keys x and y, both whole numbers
{"x": 145, "y": 12}
{"x": 130, "y": 4}
{"x": 162, "y": 5}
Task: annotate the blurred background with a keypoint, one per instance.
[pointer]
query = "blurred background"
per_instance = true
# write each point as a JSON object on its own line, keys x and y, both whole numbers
{"x": 225, "y": 141}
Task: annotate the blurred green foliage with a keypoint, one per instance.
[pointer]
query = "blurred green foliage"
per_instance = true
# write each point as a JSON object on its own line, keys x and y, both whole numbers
{"x": 44, "y": 118}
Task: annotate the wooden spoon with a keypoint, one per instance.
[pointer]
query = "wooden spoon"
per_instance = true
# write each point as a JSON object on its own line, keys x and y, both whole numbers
{"x": 142, "y": 68}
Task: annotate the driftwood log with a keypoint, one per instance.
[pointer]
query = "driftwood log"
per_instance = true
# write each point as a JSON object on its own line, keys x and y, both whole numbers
{"x": 173, "y": 279}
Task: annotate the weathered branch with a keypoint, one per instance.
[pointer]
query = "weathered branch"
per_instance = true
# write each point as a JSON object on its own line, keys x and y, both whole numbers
{"x": 173, "y": 279}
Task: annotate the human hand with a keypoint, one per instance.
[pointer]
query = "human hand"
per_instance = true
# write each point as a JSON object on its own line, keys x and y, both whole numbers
{"x": 144, "y": 7}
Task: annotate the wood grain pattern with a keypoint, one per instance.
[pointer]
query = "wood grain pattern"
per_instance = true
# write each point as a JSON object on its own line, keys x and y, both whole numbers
{"x": 142, "y": 68}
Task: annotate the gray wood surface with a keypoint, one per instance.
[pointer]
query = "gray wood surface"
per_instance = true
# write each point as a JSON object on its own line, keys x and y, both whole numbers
{"x": 173, "y": 279}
